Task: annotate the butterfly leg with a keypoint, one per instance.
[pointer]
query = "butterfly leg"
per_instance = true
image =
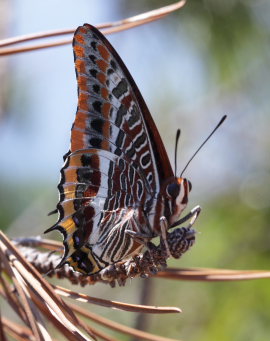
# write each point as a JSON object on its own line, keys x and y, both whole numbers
{"x": 145, "y": 240}
{"x": 192, "y": 215}
{"x": 195, "y": 213}
{"x": 141, "y": 238}
{"x": 163, "y": 238}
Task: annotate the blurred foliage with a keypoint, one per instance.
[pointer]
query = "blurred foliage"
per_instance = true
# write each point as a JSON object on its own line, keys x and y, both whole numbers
{"x": 231, "y": 236}
{"x": 226, "y": 31}
{"x": 24, "y": 208}
{"x": 14, "y": 200}
{"x": 231, "y": 37}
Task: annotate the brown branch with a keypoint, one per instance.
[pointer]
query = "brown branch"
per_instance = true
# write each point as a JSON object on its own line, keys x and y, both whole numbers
{"x": 41, "y": 35}
{"x": 107, "y": 28}
{"x": 20, "y": 288}
{"x": 18, "y": 332}
{"x": 117, "y": 326}
{"x": 102, "y": 336}
{"x": 114, "y": 304}
{"x": 46, "y": 302}
{"x": 9, "y": 295}
{"x": 43, "y": 297}
{"x": 211, "y": 275}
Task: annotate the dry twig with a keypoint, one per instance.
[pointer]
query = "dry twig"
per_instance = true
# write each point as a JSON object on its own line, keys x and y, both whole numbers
{"x": 106, "y": 28}
{"x": 34, "y": 299}
{"x": 212, "y": 275}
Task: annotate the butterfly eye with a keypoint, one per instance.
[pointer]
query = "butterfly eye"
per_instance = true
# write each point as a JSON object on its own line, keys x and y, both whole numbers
{"x": 173, "y": 190}
{"x": 189, "y": 186}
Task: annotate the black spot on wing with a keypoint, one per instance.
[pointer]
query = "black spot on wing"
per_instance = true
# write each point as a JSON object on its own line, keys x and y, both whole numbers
{"x": 93, "y": 58}
{"x": 97, "y": 106}
{"x": 131, "y": 152}
{"x": 83, "y": 261}
{"x": 120, "y": 89}
{"x": 139, "y": 141}
{"x": 97, "y": 125}
{"x": 96, "y": 88}
{"x": 118, "y": 151}
{"x": 146, "y": 159}
{"x": 93, "y": 73}
{"x": 134, "y": 116}
{"x": 110, "y": 71}
{"x": 121, "y": 164}
{"x": 120, "y": 139}
{"x": 113, "y": 64}
{"x": 84, "y": 175}
{"x": 139, "y": 189}
{"x": 95, "y": 142}
{"x": 131, "y": 176}
{"x": 94, "y": 45}
{"x": 122, "y": 111}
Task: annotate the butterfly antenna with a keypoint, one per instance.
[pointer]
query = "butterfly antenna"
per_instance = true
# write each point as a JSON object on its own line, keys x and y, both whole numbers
{"x": 175, "y": 150}
{"x": 219, "y": 124}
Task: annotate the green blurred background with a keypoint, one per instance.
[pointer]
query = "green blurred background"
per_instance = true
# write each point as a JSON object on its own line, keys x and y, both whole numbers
{"x": 208, "y": 59}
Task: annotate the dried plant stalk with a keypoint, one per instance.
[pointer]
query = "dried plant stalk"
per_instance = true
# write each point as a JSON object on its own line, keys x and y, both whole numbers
{"x": 211, "y": 275}
{"x": 114, "y": 304}
{"x": 36, "y": 296}
{"x": 35, "y": 299}
{"x": 117, "y": 326}
{"x": 106, "y": 28}
{"x": 18, "y": 332}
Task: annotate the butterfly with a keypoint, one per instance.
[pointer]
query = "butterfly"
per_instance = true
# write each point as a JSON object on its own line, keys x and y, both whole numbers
{"x": 117, "y": 189}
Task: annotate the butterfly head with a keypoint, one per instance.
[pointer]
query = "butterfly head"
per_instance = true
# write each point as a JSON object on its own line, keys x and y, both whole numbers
{"x": 176, "y": 193}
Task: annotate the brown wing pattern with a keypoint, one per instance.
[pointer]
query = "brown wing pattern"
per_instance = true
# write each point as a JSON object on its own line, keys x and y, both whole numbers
{"x": 116, "y": 160}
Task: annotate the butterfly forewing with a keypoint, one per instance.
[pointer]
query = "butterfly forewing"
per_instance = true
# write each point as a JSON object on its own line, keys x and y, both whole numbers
{"x": 116, "y": 161}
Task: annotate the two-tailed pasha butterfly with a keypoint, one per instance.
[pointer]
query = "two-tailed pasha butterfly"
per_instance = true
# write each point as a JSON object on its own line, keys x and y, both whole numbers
{"x": 117, "y": 188}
